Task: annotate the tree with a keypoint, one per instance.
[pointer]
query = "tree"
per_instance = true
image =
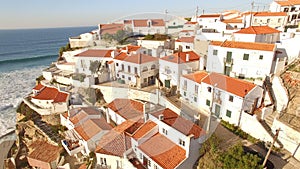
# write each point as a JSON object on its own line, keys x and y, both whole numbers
{"x": 94, "y": 66}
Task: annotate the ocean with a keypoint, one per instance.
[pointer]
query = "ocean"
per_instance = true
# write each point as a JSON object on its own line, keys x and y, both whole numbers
{"x": 24, "y": 53}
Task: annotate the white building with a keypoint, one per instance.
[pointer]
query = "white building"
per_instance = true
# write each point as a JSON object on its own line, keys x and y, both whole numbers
{"x": 240, "y": 59}
{"x": 206, "y": 20}
{"x": 262, "y": 34}
{"x": 187, "y": 43}
{"x": 138, "y": 70}
{"x": 148, "y": 26}
{"x": 84, "y": 40}
{"x": 157, "y": 48}
{"x": 271, "y": 19}
{"x": 50, "y": 99}
{"x": 226, "y": 97}
{"x": 290, "y": 6}
{"x": 175, "y": 25}
{"x": 173, "y": 66}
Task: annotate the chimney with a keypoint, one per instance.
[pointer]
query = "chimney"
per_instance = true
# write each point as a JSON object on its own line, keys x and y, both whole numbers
{"x": 112, "y": 54}
{"x": 161, "y": 117}
{"x": 139, "y": 58}
{"x": 187, "y": 57}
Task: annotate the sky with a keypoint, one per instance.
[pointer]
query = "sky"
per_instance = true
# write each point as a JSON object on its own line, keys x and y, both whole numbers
{"x": 17, "y": 14}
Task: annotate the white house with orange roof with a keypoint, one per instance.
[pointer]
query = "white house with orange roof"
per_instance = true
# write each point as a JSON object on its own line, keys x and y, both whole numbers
{"x": 148, "y": 26}
{"x": 187, "y": 43}
{"x": 271, "y": 19}
{"x": 226, "y": 97}
{"x": 262, "y": 34}
{"x": 84, "y": 40}
{"x": 48, "y": 99}
{"x": 173, "y": 66}
{"x": 167, "y": 140}
{"x": 205, "y": 20}
{"x": 138, "y": 70}
{"x": 234, "y": 23}
{"x": 121, "y": 110}
{"x": 240, "y": 59}
{"x": 291, "y": 7}
{"x": 86, "y": 127}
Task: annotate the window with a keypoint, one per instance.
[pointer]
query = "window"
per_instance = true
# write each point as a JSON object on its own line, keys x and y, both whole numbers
{"x": 209, "y": 89}
{"x": 184, "y": 85}
{"x": 246, "y": 57}
{"x": 135, "y": 70}
{"x": 122, "y": 67}
{"x": 184, "y": 93}
{"x": 149, "y": 163}
{"x": 268, "y": 20}
{"x": 195, "y": 99}
{"x": 103, "y": 161}
{"x": 261, "y": 57}
{"x": 196, "y": 89}
{"x": 123, "y": 76}
{"x": 145, "y": 80}
{"x": 187, "y": 47}
{"x": 228, "y": 113}
{"x": 255, "y": 20}
{"x": 279, "y": 20}
{"x": 155, "y": 166}
{"x": 117, "y": 64}
{"x": 181, "y": 142}
{"x": 231, "y": 98}
{"x": 118, "y": 75}
{"x": 207, "y": 102}
{"x": 215, "y": 52}
{"x": 129, "y": 78}
{"x": 293, "y": 9}
{"x": 228, "y": 56}
{"x": 286, "y": 10}
{"x": 165, "y": 131}
{"x": 129, "y": 69}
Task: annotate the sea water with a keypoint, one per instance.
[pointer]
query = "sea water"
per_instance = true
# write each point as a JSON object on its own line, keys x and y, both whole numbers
{"x": 23, "y": 56}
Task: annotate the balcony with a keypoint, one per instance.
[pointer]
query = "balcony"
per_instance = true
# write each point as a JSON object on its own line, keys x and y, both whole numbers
{"x": 72, "y": 146}
{"x": 228, "y": 62}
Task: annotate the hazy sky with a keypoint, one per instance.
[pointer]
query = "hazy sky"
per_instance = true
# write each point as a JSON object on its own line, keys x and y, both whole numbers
{"x": 66, "y": 13}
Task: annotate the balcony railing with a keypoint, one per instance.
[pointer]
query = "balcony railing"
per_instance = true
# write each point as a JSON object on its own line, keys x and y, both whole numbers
{"x": 72, "y": 147}
{"x": 228, "y": 61}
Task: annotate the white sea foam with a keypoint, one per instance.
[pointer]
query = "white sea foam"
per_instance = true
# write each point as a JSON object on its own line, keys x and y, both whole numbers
{"x": 14, "y": 86}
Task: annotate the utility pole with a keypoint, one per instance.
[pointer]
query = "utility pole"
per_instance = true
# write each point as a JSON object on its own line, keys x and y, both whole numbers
{"x": 270, "y": 149}
{"x": 252, "y": 5}
{"x": 197, "y": 10}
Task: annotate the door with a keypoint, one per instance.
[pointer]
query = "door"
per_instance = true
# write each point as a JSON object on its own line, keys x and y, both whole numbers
{"x": 167, "y": 83}
{"x": 217, "y": 110}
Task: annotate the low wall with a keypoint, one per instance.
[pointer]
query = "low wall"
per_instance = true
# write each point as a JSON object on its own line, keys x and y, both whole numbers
{"x": 38, "y": 110}
{"x": 280, "y": 93}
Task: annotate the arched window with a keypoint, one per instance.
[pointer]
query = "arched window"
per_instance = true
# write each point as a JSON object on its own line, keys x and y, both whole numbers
{"x": 145, "y": 69}
{"x": 153, "y": 66}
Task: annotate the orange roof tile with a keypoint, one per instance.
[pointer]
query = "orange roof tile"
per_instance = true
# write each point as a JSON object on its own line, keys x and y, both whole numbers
{"x": 144, "y": 129}
{"x": 110, "y": 28}
{"x": 270, "y": 14}
{"x": 95, "y": 53}
{"x": 186, "y": 39}
{"x": 136, "y": 58}
{"x": 209, "y": 16}
{"x": 39, "y": 153}
{"x": 179, "y": 123}
{"x": 163, "y": 151}
{"x": 182, "y": 57}
{"x": 127, "y": 108}
{"x": 143, "y": 22}
{"x": 258, "y": 30}
{"x": 288, "y": 2}
{"x": 192, "y": 23}
{"x": 197, "y": 76}
{"x": 110, "y": 62}
{"x": 77, "y": 114}
{"x": 50, "y": 93}
{"x": 116, "y": 141}
{"x": 127, "y": 21}
{"x": 233, "y": 21}
{"x": 245, "y": 45}
{"x": 131, "y": 48}
{"x": 232, "y": 85}
{"x": 91, "y": 127}
{"x": 38, "y": 87}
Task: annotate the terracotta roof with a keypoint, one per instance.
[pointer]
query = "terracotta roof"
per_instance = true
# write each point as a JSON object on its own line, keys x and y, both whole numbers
{"x": 233, "y": 21}
{"x": 288, "y": 2}
{"x": 143, "y": 22}
{"x": 209, "y": 16}
{"x": 258, "y": 30}
{"x": 116, "y": 141}
{"x": 77, "y": 114}
{"x": 163, "y": 151}
{"x": 136, "y": 58}
{"x": 127, "y": 108}
{"x": 39, "y": 153}
{"x": 182, "y": 57}
{"x": 192, "y": 23}
{"x": 127, "y": 21}
{"x": 89, "y": 128}
{"x": 270, "y": 14}
{"x": 144, "y": 129}
{"x": 95, "y": 53}
{"x": 232, "y": 85}
{"x": 50, "y": 93}
{"x": 110, "y": 62}
{"x": 110, "y": 28}
{"x": 38, "y": 87}
{"x": 83, "y": 166}
{"x": 186, "y": 39}
{"x": 197, "y": 76}
{"x": 245, "y": 45}
{"x": 131, "y": 48}
{"x": 179, "y": 123}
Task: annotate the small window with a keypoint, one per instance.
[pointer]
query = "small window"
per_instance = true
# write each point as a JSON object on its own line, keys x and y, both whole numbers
{"x": 231, "y": 98}
{"x": 129, "y": 78}
{"x": 149, "y": 163}
{"x": 123, "y": 76}
{"x": 187, "y": 47}
{"x": 145, "y": 80}
{"x": 155, "y": 166}
{"x": 261, "y": 57}
{"x": 196, "y": 89}
{"x": 215, "y": 52}
{"x": 184, "y": 93}
{"x": 117, "y": 64}
{"x": 118, "y": 75}
{"x": 181, "y": 142}
{"x": 279, "y": 20}
{"x": 165, "y": 131}
{"x": 122, "y": 67}
{"x": 129, "y": 69}
{"x": 135, "y": 70}
{"x": 246, "y": 57}
{"x": 209, "y": 89}
{"x": 207, "y": 102}
{"x": 268, "y": 20}
{"x": 228, "y": 113}
{"x": 195, "y": 99}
